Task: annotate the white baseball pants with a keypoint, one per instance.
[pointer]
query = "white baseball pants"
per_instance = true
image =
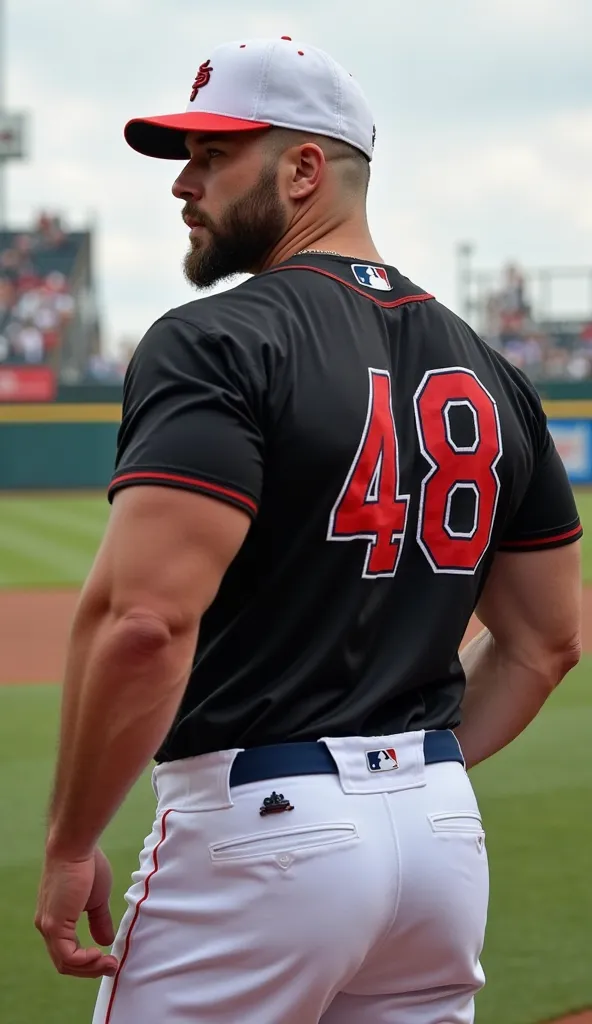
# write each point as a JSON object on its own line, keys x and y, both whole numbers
{"x": 365, "y": 904}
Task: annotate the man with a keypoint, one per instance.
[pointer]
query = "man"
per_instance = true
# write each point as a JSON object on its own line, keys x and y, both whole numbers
{"x": 320, "y": 474}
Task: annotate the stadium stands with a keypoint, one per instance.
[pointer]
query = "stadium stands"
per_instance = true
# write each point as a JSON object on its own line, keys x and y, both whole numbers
{"x": 48, "y": 308}
{"x": 49, "y": 317}
{"x": 545, "y": 348}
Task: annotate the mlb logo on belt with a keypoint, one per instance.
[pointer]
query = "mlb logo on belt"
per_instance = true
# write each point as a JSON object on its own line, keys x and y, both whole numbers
{"x": 372, "y": 277}
{"x": 381, "y": 760}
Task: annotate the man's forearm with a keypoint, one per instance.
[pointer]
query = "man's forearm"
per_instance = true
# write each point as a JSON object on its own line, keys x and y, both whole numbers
{"x": 503, "y": 695}
{"x": 81, "y": 639}
{"x": 125, "y": 680}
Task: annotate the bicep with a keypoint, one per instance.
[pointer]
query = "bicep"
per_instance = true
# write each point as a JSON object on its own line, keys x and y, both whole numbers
{"x": 191, "y": 417}
{"x": 188, "y": 476}
{"x": 531, "y": 602}
{"x": 547, "y": 516}
{"x": 165, "y": 553}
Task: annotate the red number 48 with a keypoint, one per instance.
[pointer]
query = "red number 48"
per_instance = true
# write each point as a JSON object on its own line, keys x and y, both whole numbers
{"x": 371, "y": 506}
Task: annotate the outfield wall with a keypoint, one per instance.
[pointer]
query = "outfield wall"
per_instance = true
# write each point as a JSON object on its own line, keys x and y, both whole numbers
{"x": 57, "y": 446}
{"x": 69, "y": 445}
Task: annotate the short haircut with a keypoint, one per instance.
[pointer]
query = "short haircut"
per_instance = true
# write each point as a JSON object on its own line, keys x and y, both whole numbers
{"x": 354, "y": 167}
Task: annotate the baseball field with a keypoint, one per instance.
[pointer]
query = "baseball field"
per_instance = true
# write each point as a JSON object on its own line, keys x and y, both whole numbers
{"x": 536, "y": 796}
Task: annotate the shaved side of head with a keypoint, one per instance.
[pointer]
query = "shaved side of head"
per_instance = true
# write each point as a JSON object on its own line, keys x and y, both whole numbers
{"x": 351, "y": 165}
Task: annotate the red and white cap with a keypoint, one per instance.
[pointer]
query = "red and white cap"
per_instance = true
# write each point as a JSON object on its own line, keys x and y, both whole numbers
{"x": 260, "y": 83}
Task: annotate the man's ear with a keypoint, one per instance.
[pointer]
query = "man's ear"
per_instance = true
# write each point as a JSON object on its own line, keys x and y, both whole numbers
{"x": 307, "y": 165}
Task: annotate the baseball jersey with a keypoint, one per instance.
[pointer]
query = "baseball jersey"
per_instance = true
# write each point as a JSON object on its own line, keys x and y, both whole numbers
{"x": 384, "y": 454}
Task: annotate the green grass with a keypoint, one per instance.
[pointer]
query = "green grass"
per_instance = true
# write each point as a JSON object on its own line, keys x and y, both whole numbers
{"x": 536, "y": 799}
{"x": 584, "y": 503}
{"x": 535, "y": 796}
{"x": 30, "y": 990}
{"x": 49, "y": 541}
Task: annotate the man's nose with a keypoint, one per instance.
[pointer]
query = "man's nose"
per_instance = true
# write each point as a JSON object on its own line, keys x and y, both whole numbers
{"x": 188, "y": 185}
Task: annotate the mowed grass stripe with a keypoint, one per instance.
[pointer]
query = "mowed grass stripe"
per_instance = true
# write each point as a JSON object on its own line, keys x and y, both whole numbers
{"x": 49, "y": 542}
{"x": 61, "y": 524}
{"x": 89, "y": 513}
{"x": 29, "y": 558}
{"x": 81, "y": 514}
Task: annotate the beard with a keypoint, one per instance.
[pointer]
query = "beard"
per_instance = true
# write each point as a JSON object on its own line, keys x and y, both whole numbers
{"x": 238, "y": 244}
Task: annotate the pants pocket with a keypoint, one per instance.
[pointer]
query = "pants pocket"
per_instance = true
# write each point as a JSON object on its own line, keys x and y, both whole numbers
{"x": 303, "y": 837}
{"x": 457, "y": 822}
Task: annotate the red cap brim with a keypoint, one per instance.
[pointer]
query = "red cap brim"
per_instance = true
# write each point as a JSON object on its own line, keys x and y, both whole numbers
{"x": 164, "y": 136}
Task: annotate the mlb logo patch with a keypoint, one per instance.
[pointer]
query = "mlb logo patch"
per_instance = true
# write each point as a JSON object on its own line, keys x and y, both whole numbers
{"x": 372, "y": 277}
{"x": 382, "y": 760}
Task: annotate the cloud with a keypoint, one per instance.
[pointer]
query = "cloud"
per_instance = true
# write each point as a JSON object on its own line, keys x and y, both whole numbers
{"x": 484, "y": 116}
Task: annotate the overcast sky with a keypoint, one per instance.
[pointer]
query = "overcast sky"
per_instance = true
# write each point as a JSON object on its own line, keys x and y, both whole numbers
{"x": 483, "y": 110}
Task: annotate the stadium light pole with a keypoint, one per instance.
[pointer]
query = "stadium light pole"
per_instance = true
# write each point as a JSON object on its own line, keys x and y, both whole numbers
{"x": 12, "y": 125}
{"x": 464, "y": 252}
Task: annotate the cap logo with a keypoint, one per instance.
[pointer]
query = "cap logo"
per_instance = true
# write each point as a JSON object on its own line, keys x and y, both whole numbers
{"x": 202, "y": 78}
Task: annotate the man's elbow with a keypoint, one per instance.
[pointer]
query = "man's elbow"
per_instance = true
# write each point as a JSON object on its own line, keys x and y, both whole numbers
{"x": 558, "y": 659}
{"x": 569, "y": 656}
{"x": 546, "y": 659}
{"x": 141, "y": 635}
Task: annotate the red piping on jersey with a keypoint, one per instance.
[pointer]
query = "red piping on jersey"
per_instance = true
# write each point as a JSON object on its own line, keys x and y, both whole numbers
{"x": 354, "y": 288}
{"x": 174, "y": 478}
{"x": 128, "y": 938}
{"x": 541, "y": 540}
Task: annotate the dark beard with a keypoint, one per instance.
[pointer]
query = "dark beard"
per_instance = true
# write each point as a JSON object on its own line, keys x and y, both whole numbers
{"x": 239, "y": 243}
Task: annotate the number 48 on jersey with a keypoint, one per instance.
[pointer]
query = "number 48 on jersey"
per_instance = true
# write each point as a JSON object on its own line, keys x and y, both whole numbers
{"x": 372, "y": 506}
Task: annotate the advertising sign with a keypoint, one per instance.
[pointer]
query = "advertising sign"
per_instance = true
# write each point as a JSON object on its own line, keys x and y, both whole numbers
{"x": 27, "y": 384}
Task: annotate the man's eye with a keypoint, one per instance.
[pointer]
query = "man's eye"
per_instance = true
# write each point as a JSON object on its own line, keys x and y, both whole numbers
{"x": 211, "y": 153}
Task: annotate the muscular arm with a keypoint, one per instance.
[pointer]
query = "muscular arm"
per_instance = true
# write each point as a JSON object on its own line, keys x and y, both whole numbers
{"x": 159, "y": 568}
{"x": 531, "y": 608}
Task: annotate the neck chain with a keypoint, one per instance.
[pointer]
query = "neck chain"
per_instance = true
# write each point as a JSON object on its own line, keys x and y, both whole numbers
{"x": 323, "y": 252}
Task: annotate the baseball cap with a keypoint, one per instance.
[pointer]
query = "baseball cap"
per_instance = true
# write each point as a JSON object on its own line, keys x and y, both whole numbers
{"x": 259, "y": 83}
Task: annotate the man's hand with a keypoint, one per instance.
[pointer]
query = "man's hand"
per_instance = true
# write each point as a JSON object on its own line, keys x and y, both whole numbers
{"x": 68, "y": 889}
{"x": 132, "y": 646}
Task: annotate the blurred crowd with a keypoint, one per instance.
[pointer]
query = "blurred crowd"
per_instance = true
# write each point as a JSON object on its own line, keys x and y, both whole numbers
{"x": 36, "y": 304}
{"x": 108, "y": 369}
{"x": 562, "y": 353}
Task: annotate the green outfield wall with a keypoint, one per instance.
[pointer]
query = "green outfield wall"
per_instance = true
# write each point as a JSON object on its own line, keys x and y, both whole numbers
{"x": 71, "y": 445}
{"x": 57, "y": 446}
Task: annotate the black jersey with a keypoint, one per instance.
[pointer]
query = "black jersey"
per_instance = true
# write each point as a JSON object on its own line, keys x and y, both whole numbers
{"x": 384, "y": 453}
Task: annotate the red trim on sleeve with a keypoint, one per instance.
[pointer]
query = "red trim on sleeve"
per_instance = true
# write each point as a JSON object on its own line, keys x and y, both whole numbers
{"x": 191, "y": 481}
{"x": 128, "y": 938}
{"x": 354, "y": 288}
{"x": 536, "y": 541}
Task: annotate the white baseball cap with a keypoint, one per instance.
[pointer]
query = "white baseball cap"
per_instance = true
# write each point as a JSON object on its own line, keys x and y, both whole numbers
{"x": 260, "y": 83}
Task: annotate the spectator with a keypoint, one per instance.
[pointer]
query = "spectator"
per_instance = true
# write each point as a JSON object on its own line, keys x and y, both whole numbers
{"x": 29, "y": 343}
{"x": 48, "y": 232}
{"x": 35, "y": 305}
{"x": 513, "y": 306}
{"x": 564, "y": 353}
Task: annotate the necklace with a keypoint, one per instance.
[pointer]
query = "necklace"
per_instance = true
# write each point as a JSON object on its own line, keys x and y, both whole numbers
{"x": 323, "y": 252}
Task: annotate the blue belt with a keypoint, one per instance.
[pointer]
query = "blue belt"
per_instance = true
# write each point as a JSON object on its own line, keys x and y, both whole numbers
{"x": 283, "y": 759}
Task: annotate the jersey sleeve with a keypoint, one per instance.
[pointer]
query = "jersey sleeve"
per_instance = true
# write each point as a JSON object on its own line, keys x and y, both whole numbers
{"x": 547, "y": 516}
{"x": 191, "y": 413}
